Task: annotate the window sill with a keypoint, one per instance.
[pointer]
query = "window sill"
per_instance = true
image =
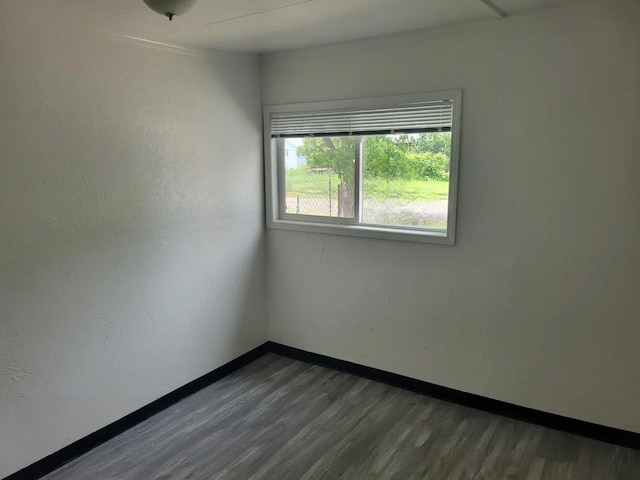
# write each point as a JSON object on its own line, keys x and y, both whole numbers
{"x": 435, "y": 236}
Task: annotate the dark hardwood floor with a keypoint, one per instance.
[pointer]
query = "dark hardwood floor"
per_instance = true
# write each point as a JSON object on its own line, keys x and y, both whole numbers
{"x": 280, "y": 419}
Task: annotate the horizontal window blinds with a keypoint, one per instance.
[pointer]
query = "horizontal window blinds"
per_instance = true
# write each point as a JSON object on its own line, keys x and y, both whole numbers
{"x": 435, "y": 116}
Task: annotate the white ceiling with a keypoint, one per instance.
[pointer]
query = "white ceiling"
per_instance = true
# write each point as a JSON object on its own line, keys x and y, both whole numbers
{"x": 273, "y": 25}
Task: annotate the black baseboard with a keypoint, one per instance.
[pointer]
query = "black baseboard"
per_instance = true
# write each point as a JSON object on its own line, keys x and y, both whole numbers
{"x": 91, "y": 441}
{"x": 550, "y": 420}
{"x": 558, "y": 422}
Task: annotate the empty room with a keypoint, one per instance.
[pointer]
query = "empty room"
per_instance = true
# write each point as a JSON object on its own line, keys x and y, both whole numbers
{"x": 320, "y": 239}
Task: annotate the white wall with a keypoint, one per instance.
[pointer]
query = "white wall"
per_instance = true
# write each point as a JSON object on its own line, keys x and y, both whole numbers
{"x": 131, "y": 226}
{"x": 539, "y": 303}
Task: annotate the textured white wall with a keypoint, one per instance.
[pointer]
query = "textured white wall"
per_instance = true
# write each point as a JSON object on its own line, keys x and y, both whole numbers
{"x": 131, "y": 226}
{"x": 539, "y": 302}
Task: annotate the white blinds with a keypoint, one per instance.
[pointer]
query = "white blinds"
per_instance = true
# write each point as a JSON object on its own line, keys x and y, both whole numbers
{"x": 435, "y": 116}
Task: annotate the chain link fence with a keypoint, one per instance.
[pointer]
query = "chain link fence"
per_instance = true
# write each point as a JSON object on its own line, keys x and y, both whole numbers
{"x": 313, "y": 192}
{"x": 316, "y": 191}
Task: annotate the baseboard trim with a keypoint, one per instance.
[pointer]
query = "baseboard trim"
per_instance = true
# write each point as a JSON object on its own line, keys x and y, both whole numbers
{"x": 80, "y": 447}
{"x": 91, "y": 441}
{"x": 558, "y": 422}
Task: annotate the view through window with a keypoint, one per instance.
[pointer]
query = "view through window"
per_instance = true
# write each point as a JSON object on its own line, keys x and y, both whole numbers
{"x": 405, "y": 178}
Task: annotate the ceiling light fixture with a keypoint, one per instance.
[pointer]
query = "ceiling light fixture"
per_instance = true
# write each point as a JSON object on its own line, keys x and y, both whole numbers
{"x": 170, "y": 8}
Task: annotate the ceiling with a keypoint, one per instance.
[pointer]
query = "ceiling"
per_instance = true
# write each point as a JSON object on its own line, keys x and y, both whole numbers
{"x": 274, "y": 25}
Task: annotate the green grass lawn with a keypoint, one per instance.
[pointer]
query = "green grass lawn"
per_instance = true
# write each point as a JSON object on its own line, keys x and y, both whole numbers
{"x": 318, "y": 185}
{"x": 380, "y": 189}
{"x": 311, "y": 185}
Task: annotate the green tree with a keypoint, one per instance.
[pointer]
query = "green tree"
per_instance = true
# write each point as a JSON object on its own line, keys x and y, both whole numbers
{"x": 386, "y": 157}
{"x": 429, "y": 166}
{"x": 408, "y": 157}
{"x": 338, "y": 154}
{"x": 437, "y": 142}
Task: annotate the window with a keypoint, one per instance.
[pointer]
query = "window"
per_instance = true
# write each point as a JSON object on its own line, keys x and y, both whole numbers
{"x": 375, "y": 167}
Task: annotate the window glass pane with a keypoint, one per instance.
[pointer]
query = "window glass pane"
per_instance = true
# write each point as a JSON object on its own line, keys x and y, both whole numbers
{"x": 406, "y": 180}
{"x": 319, "y": 176}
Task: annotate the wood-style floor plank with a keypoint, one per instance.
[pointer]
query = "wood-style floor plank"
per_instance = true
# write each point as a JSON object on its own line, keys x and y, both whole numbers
{"x": 280, "y": 419}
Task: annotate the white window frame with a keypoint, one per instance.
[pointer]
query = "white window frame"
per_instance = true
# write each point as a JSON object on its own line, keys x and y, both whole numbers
{"x": 275, "y": 175}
